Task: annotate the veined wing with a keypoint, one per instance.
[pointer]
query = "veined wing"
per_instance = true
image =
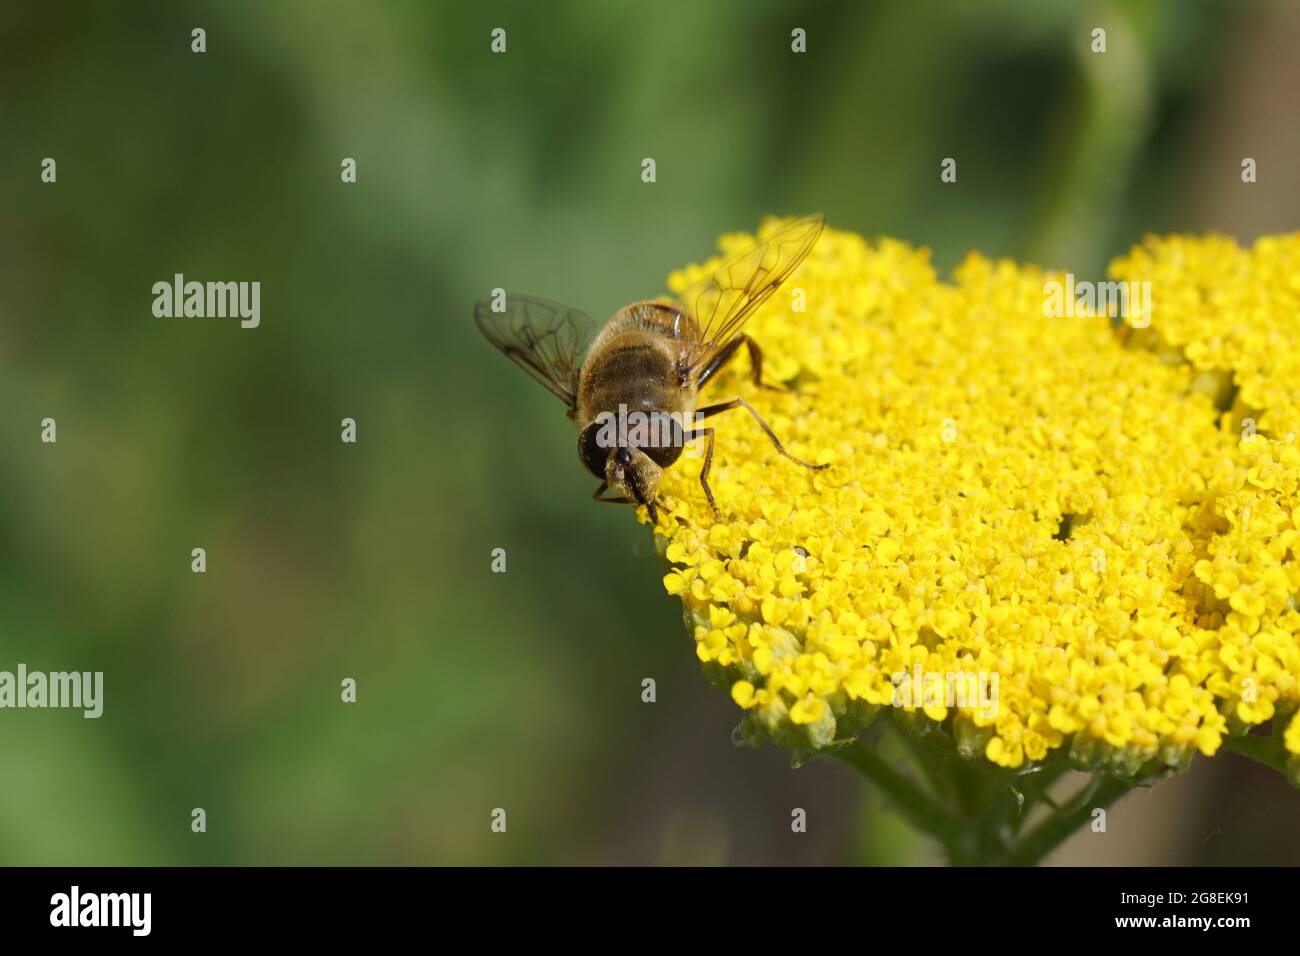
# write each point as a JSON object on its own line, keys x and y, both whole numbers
{"x": 543, "y": 338}
{"x": 726, "y": 299}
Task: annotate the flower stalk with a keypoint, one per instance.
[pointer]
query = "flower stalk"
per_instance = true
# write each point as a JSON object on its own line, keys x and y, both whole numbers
{"x": 976, "y": 815}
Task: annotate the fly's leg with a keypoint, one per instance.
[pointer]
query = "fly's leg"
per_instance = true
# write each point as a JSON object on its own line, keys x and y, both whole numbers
{"x": 597, "y": 495}
{"x": 719, "y": 361}
{"x": 709, "y": 410}
{"x": 708, "y": 463}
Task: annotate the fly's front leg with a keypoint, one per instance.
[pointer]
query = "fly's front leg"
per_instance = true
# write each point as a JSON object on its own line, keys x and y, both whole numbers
{"x": 650, "y": 505}
{"x": 599, "y": 492}
{"x": 767, "y": 429}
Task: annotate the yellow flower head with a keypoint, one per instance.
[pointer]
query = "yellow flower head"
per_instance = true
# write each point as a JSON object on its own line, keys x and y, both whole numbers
{"x": 1039, "y": 532}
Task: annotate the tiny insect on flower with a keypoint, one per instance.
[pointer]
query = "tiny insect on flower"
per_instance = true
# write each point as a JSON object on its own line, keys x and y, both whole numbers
{"x": 652, "y": 357}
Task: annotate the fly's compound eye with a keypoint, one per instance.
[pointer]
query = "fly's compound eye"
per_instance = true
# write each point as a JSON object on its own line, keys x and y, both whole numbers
{"x": 666, "y": 443}
{"x": 591, "y": 451}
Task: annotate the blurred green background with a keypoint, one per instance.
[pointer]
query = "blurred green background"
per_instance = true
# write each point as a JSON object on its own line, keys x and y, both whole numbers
{"x": 479, "y": 690}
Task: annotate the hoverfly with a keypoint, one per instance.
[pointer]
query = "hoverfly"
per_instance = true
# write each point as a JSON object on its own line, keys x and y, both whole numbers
{"x": 651, "y": 357}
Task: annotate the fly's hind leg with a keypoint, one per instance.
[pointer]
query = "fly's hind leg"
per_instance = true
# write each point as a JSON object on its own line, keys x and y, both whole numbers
{"x": 719, "y": 361}
{"x": 709, "y": 410}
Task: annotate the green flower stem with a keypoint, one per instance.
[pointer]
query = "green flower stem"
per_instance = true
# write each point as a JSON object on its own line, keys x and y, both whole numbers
{"x": 935, "y": 765}
{"x": 1035, "y": 790}
{"x": 1054, "y": 831}
{"x": 917, "y": 806}
{"x": 980, "y": 825}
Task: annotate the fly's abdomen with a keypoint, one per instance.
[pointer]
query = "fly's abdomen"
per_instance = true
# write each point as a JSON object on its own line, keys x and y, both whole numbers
{"x": 638, "y": 375}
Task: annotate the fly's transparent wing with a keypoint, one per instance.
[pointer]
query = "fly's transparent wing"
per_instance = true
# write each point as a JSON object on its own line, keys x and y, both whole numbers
{"x": 722, "y": 302}
{"x": 543, "y": 338}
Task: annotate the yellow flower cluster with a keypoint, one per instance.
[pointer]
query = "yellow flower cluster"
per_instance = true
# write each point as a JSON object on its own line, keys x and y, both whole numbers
{"x": 1045, "y": 501}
